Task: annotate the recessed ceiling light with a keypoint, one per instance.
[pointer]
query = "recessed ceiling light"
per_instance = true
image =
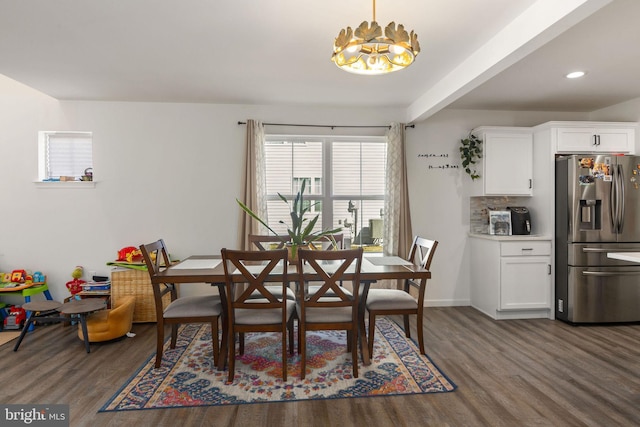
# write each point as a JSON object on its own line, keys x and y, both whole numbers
{"x": 575, "y": 74}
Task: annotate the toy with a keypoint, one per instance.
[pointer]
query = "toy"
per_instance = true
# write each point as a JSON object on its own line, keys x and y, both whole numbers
{"x": 18, "y": 276}
{"x": 75, "y": 285}
{"x": 38, "y": 277}
{"x": 16, "y": 318}
{"x": 130, "y": 254}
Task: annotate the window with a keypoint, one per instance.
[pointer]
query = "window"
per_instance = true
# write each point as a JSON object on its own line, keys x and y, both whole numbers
{"x": 345, "y": 181}
{"x": 65, "y": 156}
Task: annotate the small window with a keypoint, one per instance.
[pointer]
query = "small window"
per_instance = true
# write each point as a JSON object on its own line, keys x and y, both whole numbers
{"x": 65, "y": 156}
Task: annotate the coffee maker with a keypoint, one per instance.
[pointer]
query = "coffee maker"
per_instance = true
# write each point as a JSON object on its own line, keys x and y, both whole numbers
{"x": 520, "y": 220}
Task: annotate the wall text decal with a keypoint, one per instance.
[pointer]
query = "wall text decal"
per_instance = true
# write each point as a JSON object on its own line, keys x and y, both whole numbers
{"x": 447, "y": 166}
{"x": 435, "y": 156}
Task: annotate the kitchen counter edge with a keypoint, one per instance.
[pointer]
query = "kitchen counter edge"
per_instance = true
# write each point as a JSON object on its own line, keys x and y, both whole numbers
{"x": 510, "y": 238}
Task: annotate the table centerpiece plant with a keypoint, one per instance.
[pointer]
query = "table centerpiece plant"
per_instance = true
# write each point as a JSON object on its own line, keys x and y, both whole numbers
{"x": 300, "y": 232}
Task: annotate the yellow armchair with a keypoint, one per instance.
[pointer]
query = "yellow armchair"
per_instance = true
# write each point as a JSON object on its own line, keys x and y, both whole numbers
{"x": 110, "y": 324}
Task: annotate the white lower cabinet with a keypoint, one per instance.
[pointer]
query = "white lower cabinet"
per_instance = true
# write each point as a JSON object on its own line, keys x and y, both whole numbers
{"x": 511, "y": 277}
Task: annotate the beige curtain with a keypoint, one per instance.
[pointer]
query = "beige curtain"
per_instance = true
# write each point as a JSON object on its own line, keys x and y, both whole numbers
{"x": 253, "y": 184}
{"x": 397, "y": 224}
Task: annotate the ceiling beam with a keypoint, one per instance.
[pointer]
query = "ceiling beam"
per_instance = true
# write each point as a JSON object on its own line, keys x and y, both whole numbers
{"x": 539, "y": 24}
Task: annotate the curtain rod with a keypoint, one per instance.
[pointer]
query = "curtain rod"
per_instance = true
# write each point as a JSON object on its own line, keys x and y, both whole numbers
{"x": 328, "y": 126}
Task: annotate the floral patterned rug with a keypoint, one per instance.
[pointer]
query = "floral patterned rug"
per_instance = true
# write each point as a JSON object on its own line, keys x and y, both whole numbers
{"x": 187, "y": 376}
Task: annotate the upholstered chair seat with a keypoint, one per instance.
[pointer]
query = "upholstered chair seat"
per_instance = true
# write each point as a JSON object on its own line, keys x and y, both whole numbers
{"x": 391, "y": 299}
{"x": 196, "y": 306}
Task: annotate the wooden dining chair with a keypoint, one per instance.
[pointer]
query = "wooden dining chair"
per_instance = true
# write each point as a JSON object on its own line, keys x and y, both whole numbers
{"x": 382, "y": 302}
{"x": 270, "y": 243}
{"x": 329, "y": 242}
{"x": 246, "y": 313}
{"x": 266, "y": 242}
{"x": 180, "y": 310}
{"x": 328, "y": 307}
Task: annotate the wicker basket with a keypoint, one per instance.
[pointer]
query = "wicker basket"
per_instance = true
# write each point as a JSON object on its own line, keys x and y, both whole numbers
{"x": 125, "y": 281}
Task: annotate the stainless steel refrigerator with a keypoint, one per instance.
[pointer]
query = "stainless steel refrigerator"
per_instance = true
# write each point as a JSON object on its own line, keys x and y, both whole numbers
{"x": 597, "y": 211}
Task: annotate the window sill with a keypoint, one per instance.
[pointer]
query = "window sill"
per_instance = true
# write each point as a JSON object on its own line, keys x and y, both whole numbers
{"x": 65, "y": 184}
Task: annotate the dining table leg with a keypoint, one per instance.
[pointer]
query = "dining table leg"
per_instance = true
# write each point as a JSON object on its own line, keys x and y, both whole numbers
{"x": 224, "y": 345}
{"x": 362, "y": 333}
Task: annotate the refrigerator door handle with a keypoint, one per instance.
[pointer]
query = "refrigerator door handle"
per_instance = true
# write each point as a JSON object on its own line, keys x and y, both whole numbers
{"x": 603, "y": 250}
{"x": 608, "y": 274}
{"x": 613, "y": 202}
{"x": 620, "y": 199}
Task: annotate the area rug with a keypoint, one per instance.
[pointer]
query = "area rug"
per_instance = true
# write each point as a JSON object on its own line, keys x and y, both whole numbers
{"x": 7, "y": 336}
{"x": 187, "y": 376}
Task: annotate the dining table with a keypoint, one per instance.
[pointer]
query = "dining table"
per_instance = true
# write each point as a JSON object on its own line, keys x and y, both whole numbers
{"x": 209, "y": 269}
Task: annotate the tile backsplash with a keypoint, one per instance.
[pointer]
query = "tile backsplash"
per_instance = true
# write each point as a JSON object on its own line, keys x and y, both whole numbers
{"x": 480, "y": 206}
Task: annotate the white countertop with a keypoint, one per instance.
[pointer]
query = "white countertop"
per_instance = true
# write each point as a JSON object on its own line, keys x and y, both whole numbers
{"x": 625, "y": 256}
{"x": 508, "y": 238}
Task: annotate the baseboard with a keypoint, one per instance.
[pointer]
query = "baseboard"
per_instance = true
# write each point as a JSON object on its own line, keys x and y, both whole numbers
{"x": 446, "y": 303}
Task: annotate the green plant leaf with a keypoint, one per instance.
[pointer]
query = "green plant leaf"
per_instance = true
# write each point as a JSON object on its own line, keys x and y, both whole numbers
{"x": 253, "y": 215}
{"x": 298, "y": 232}
{"x": 470, "y": 151}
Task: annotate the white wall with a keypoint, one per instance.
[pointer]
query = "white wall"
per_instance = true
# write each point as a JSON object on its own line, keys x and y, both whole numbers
{"x": 174, "y": 170}
{"x": 161, "y": 170}
{"x": 625, "y": 112}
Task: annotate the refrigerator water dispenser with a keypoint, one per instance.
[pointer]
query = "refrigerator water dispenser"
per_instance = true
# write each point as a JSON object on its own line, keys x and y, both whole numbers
{"x": 590, "y": 214}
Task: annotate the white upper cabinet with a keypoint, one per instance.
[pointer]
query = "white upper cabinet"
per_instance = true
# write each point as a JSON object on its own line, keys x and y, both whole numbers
{"x": 507, "y": 154}
{"x": 593, "y": 137}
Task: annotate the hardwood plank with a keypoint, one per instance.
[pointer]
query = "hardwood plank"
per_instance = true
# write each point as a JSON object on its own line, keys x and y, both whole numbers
{"x": 509, "y": 372}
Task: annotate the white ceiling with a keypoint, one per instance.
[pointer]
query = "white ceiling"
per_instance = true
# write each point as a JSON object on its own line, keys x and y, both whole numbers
{"x": 489, "y": 54}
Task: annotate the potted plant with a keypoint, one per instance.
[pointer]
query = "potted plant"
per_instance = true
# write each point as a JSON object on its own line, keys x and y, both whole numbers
{"x": 300, "y": 233}
{"x": 470, "y": 151}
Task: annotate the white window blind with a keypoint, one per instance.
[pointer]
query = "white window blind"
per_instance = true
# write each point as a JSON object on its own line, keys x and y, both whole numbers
{"x": 67, "y": 154}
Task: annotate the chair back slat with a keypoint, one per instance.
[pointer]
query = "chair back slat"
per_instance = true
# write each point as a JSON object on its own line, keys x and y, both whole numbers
{"x": 255, "y": 268}
{"x": 422, "y": 251}
{"x": 330, "y": 268}
{"x": 156, "y": 258}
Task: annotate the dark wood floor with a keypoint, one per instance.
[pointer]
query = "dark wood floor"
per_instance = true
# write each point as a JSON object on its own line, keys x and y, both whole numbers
{"x": 509, "y": 373}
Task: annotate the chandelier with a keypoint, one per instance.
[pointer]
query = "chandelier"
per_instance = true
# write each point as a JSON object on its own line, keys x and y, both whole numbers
{"x": 367, "y": 51}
